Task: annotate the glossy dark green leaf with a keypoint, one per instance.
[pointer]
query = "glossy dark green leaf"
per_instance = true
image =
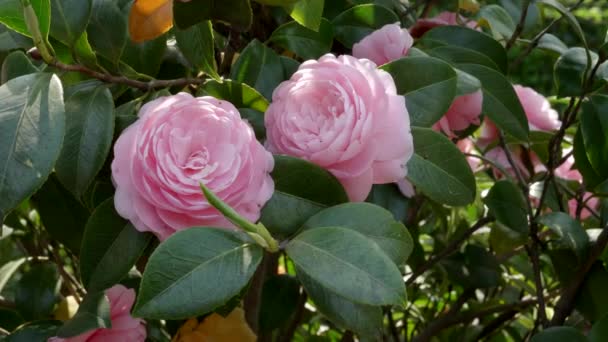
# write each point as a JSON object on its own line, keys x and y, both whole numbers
{"x": 594, "y": 129}
{"x": 506, "y": 202}
{"x": 348, "y": 263}
{"x": 301, "y": 190}
{"x": 583, "y": 165}
{"x": 279, "y": 301}
{"x": 550, "y": 42}
{"x": 63, "y": 217}
{"x": 34, "y": 331}
{"x": 196, "y": 43}
{"x": 459, "y": 55}
{"x": 559, "y": 334}
{"x": 359, "y": 21}
{"x": 599, "y": 331}
{"x": 390, "y": 198}
{"x": 306, "y": 12}
{"x": 16, "y": 64}
{"x": 500, "y": 102}
{"x": 37, "y": 291}
{"x": 365, "y": 320}
{"x": 110, "y": 248}
{"x": 11, "y": 15}
{"x": 498, "y": 20}
{"x": 93, "y": 313}
{"x": 239, "y": 94}
{"x": 569, "y": 73}
{"x": 259, "y": 67}
{"x": 374, "y": 222}
{"x": 428, "y": 84}
{"x": 145, "y": 57}
{"x": 107, "y": 30}
{"x": 69, "y": 19}
{"x": 89, "y": 110}
{"x": 569, "y": 231}
{"x": 31, "y": 134}
{"x": 475, "y": 268}
{"x": 466, "y": 83}
{"x": 439, "y": 170}
{"x": 568, "y": 15}
{"x": 469, "y": 39}
{"x": 196, "y": 271}
{"x": 302, "y": 41}
{"x": 237, "y": 13}
{"x": 592, "y": 300}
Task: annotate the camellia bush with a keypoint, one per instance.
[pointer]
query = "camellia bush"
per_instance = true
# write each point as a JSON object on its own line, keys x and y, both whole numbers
{"x": 303, "y": 170}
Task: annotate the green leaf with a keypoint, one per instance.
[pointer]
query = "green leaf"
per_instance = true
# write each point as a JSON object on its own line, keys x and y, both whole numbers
{"x": 69, "y": 19}
{"x": 439, "y": 169}
{"x": 11, "y": 15}
{"x": 236, "y": 13}
{"x": 466, "y": 84}
{"x": 428, "y": 84}
{"x": 500, "y": 102}
{"x": 239, "y": 94}
{"x": 145, "y": 57}
{"x": 348, "y": 263}
{"x": 16, "y": 64}
{"x": 506, "y": 202}
{"x": 592, "y": 301}
{"x": 33, "y": 125}
{"x": 279, "y": 302}
{"x": 599, "y": 331}
{"x": 34, "y": 331}
{"x": 93, "y": 313}
{"x": 307, "y": 12}
{"x": 550, "y": 42}
{"x": 458, "y": 55}
{"x": 581, "y": 160}
{"x": 475, "y": 268}
{"x": 559, "y": 334}
{"x": 302, "y": 189}
{"x": 256, "y": 120}
{"x": 499, "y": 20}
{"x": 594, "y": 129}
{"x": 212, "y": 265}
{"x": 570, "y": 70}
{"x": 570, "y": 232}
{"x": 365, "y": 320}
{"x": 468, "y": 39}
{"x": 196, "y": 43}
{"x": 359, "y": 21}
{"x": 8, "y": 269}
{"x": 64, "y": 218}
{"x": 259, "y": 67}
{"x": 303, "y": 41}
{"x": 37, "y": 291}
{"x": 110, "y": 248}
{"x": 89, "y": 110}
{"x": 107, "y": 30}
{"x": 569, "y": 17}
{"x": 390, "y": 198}
{"x": 374, "y": 222}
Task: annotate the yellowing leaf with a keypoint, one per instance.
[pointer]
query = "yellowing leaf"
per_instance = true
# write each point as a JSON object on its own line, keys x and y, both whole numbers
{"x": 149, "y": 19}
{"x": 217, "y": 329}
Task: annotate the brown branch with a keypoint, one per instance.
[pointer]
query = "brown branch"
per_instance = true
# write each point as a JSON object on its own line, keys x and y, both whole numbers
{"x": 290, "y": 331}
{"x": 108, "y": 78}
{"x": 253, "y": 298}
{"x": 520, "y": 25}
{"x": 449, "y": 249}
{"x": 565, "y": 305}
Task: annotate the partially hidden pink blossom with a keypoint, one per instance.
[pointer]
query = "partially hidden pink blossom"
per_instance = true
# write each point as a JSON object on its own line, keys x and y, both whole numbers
{"x": 177, "y": 143}
{"x": 384, "y": 45}
{"x": 442, "y": 19}
{"x": 343, "y": 114}
{"x": 541, "y": 117}
{"x": 124, "y": 328}
{"x": 463, "y": 112}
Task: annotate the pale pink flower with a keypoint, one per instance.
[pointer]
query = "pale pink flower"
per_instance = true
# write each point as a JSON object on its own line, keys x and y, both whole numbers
{"x": 124, "y": 328}
{"x": 463, "y": 112}
{"x": 343, "y": 114}
{"x": 384, "y": 45}
{"x": 467, "y": 146}
{"x": 592, "y": 202}
{"x": 179, "y": 142}
{"x": 541, "y": 117}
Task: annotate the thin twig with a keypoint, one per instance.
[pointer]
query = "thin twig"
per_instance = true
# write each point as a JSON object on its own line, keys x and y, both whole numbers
{"x": 449, "y": 249}
{"x": 520, "y": 25}
{"x": 295, "y": 321}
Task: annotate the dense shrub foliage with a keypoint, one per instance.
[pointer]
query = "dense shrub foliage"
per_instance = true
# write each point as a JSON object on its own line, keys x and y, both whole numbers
{"x": 295, "y": 170}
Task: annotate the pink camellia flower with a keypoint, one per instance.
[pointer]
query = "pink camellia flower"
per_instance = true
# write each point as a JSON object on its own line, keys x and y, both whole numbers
{"x": 592, "y": 202}
{"x": 467, "y": 146}
{"x": 343, "y": 114}
{"x": 387, "y": 44}
{"x": 124, "y": 328}
{"x": 498, "y": 156}
{"x": 463, "y": 112}
{"x": 442, "y": 19}
{"x": 566, "y": 171}
{"x": 178, "y": 142}
{"x": 541, "y": 117}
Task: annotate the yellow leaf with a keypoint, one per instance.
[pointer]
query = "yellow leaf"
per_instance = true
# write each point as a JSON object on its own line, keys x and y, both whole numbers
{"x": 216, "y": 328}
{"x": 149, "y": 19}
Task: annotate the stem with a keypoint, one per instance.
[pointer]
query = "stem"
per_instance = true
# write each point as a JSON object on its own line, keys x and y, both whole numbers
{"x": 33, "y": 26}
{"x": 520, "y": 25}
